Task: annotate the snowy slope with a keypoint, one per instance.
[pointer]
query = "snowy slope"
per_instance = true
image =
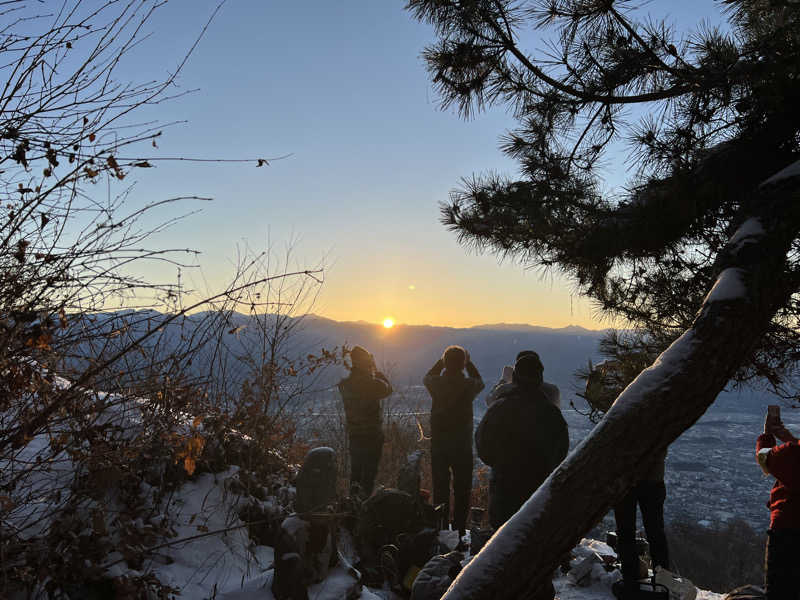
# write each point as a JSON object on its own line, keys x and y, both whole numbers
{"x": 228, "y": 568}
{"x": 211, "y": 554}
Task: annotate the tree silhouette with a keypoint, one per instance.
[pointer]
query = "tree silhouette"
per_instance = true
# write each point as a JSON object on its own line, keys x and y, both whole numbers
{"x": 699, "y": 250}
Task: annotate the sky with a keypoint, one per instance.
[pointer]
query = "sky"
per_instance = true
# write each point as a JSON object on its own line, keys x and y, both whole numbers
{"x": 339, "y": 90}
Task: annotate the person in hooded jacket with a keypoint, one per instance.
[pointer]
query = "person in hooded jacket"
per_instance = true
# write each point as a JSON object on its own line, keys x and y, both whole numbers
{"x": 522, "y": 437}
{"x": 362, "y": 392}
{"x": 452, "y": 395}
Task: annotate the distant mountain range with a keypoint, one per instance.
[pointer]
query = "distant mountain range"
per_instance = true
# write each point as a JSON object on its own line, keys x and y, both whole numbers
{"x": 406, "y": 352}
{"x": 574, "y": 329}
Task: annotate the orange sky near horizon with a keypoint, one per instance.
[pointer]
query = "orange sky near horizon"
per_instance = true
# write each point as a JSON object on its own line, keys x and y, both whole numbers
{"x": 475, "y": 290}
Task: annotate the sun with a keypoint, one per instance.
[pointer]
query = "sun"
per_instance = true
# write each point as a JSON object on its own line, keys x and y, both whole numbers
{"x": 388, "y": 322}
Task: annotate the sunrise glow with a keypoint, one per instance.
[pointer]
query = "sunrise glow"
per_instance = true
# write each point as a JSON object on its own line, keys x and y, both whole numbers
{"x": 388, "y": 323}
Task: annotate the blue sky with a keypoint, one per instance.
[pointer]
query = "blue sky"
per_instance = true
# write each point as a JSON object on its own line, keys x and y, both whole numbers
{"x": 341, "y": 88}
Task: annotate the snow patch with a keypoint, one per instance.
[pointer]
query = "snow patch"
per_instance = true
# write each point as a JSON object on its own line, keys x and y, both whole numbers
{"x": 748, "y": 232}
{"x": 652, "y": 378}
{"x": 729, "y": 286}
{"x": 223, "y": 561}
{"x": 793, "y": 170}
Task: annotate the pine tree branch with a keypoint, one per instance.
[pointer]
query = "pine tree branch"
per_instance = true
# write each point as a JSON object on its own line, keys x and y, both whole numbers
{"x": 508, "y": 44}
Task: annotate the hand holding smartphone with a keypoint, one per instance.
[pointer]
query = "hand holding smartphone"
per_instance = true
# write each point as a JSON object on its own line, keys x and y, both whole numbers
{"x": 775, "y": 426}
{"x": 772, "y": 419}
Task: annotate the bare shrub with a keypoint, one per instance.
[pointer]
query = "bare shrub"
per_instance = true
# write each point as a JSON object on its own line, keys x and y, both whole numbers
{"x": 718, "y": 558}
{"x": 103, "y": 415}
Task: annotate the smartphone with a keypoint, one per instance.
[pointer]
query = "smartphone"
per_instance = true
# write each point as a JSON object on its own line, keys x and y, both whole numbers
{"x": 774, "y": 411}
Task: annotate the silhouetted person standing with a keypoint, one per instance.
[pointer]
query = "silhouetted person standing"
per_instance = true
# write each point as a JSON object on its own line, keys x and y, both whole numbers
{"x": 649, "y": 494}
{"x": 452, "y": 395}
{"x": 523, "y": 437}
{"x": 362, "y": 392}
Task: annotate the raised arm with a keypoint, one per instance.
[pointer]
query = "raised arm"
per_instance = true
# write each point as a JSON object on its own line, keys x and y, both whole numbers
{"x": 475, "y": 378}
{"x": 494, "y": 393}
{"x": 433, "y": 375}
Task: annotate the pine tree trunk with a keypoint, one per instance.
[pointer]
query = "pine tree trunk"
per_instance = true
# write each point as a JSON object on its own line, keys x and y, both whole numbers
{"x": 664, "y": 401}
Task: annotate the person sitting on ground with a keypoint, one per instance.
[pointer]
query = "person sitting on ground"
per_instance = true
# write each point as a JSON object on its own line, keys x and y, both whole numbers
{"x": 781, "y": 570}
{"x": 551, "y": 392}
{"x": 452, "y": 395}
{"x": 362, "y": 392}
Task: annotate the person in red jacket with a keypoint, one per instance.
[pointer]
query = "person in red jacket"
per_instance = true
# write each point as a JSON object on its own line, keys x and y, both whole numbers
{"x": 781, "y": 565}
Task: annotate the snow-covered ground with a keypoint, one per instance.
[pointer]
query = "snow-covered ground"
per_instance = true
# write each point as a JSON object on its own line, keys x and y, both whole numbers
{"x": 228, "y": 566}
{"x": 210, "y": 554}
{"x": 219, "y": 560}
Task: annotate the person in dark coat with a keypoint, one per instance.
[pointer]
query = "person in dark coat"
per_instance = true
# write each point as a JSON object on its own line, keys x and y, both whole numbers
{"x": 452, "y": 395}
{"x": 781, "y": 568}
{"x": 649, "y": 494}
{"x": 522, "y": 437}
{"x": 362, "y": 392}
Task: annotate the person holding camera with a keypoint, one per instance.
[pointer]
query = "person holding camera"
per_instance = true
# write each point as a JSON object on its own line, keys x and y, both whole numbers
{"x": 781, "y": 568}
{"x": 506, "y": 383}
{"x": 362, "y": 392}
{"x": 452, "y": 394}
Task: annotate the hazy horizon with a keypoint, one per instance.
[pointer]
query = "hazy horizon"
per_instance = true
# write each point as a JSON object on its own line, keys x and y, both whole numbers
{"x": 501, "y": 324}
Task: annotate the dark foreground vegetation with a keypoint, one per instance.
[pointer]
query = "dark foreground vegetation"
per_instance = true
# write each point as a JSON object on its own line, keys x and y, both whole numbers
{"x": 718, "y": 559}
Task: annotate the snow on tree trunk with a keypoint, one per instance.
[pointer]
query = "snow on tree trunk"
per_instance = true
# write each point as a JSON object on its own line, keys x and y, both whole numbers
{"x": 659, "y": 405}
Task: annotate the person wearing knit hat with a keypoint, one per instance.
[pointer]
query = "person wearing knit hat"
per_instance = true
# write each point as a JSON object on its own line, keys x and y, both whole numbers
{"x": 551, "y": 392}
{"x": 452, "y": 394}
{"x": 361, "y": 358}
{"x": 362, "y": 391}
{"x": 522, "y": 437}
